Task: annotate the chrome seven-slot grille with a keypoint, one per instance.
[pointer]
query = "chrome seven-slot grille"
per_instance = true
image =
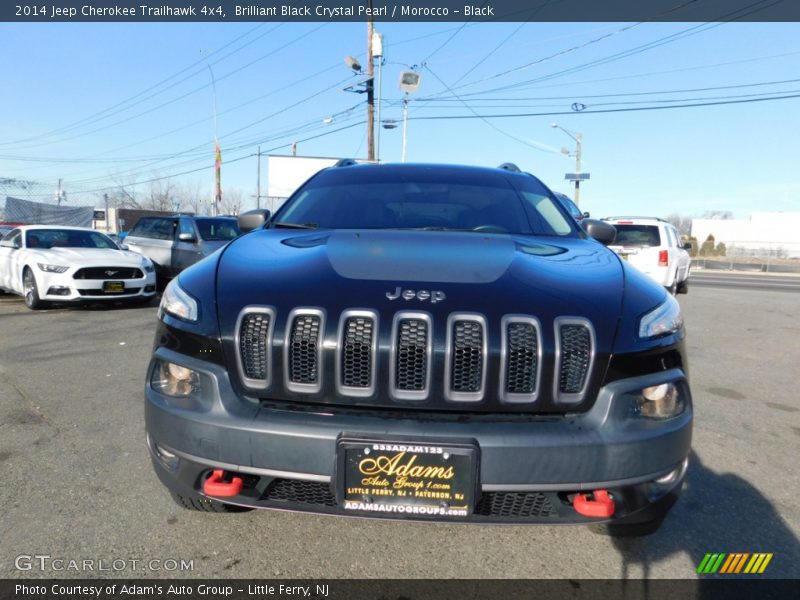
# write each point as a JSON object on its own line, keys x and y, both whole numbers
{"x": 411, "y": 361}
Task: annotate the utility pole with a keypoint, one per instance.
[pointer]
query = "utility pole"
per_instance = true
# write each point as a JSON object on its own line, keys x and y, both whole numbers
{"x": 258, "y": 180}
{"x": 370, "y": 89}
{"x": 577, "y": 176}
{"x": 405, "y": 126}
{"x": 105, "y": 198}
{"x": 377, "y": 50}
{"x": 579, "y": 143}
{"x": 59, "y": 194}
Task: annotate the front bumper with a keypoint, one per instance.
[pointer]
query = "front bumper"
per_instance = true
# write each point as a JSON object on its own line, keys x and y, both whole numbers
{"x": 62, "y": 287}
{"x": 529, "y": 467}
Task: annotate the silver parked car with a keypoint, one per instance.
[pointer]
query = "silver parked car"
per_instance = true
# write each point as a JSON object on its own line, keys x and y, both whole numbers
{"x": 176, "y": 242}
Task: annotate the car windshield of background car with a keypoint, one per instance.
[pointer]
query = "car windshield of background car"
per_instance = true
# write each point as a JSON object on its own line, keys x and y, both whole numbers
{"x": 65, "y": 238}
{"x": 217, "y": 229}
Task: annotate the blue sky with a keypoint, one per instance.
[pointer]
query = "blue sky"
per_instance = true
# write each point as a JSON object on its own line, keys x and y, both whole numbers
{"x": 99, "y": 104}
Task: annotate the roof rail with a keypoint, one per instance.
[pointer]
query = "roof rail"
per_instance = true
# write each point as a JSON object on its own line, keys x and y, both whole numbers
{"x": 509, "y": 166}
{"x": 345, "y": 162}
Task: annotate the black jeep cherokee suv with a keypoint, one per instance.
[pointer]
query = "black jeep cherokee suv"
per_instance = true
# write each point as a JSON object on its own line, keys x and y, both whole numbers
{"x": 426, "y": 342}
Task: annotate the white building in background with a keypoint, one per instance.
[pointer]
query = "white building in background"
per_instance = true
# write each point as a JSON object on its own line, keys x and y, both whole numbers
{"x": 763, "y": 234}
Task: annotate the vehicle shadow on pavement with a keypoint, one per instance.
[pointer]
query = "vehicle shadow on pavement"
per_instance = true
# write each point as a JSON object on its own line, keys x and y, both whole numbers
{"x": 717, "y": 512}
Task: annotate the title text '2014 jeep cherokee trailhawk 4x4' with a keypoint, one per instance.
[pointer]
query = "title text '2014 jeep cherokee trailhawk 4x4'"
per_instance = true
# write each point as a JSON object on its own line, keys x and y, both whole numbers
{"x": 426, "y": 342}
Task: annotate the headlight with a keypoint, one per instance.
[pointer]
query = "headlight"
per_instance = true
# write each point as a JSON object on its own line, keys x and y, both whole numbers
{"x": 148, "y": 267}
{"x": 52, "y": 268}
{"x": 662, "y": 320}
{"x": 174, "y": 380}
{"x": 178, "y": 303}
{"x": 660, "y": 402}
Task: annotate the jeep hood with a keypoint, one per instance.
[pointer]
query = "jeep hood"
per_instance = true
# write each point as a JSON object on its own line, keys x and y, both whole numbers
{"x": 493, "y": 274}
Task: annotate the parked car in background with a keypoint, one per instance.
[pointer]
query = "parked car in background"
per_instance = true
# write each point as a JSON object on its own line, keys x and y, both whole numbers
{"x": 51, "y": 263}
{"x": 4, "y": 229}
{"x": 654, "y": 246}
{"x": 572, "y": 208}
{"x": 176, "y": 242}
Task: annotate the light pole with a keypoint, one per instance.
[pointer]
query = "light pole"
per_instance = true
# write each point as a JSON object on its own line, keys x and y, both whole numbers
{"x": 577, "y": 176}
{"x": 409, "y": 83}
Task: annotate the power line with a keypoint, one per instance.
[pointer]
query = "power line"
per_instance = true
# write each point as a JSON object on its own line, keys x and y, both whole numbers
{"x": 612, "y": 110}
{"x": 541, "y": 147}
{"x": 98, "y": 115}
{"x": 189, "y": 93}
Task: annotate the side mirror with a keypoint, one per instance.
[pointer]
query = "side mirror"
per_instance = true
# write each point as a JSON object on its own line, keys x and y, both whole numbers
{"x": 687, "y": 246}
{"x": 603, "y": 232}
{"x": 7, "y": 244}
{"x": 187, "y": 237}
{"x": 253, "y": 219}
{"x": 123, "y": 246}
{"x": 586, "y": 215}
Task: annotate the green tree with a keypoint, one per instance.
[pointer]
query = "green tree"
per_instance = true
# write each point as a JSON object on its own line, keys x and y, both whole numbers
{"x": 721, "y": 249}
{"x": 708, "y": 247}
{"x": 695, "y": 245}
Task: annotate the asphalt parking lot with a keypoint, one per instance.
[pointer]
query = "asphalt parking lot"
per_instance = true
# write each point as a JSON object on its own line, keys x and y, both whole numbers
{"x": 78, "y": 485}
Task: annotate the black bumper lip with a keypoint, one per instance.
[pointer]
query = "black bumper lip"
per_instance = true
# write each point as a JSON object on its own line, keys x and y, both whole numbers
{"x": 603, "y": 445}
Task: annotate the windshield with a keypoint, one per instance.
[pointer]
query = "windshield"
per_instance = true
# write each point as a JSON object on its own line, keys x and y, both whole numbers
{"x": 217, "y": 229}
{"x": 403, "y": 200}
{"x": 67, "y": 238}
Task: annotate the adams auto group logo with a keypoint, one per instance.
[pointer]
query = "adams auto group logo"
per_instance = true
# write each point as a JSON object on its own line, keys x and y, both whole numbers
{"x": 733, "y": 563}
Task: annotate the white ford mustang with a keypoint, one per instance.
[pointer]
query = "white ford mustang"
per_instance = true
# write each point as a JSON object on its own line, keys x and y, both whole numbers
{"x": 53, "y": 263}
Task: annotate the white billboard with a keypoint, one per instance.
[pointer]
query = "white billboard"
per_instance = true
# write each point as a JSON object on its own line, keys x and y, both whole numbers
{"x": 287, "y": 173}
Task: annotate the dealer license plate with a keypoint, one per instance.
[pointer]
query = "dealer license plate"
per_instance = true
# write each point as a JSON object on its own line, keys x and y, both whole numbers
{"x": 113, "y": 287}
{"x": 407, "y": 478}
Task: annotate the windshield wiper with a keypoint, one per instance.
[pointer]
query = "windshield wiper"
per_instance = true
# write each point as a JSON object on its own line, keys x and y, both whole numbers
{"x": 296, "y": 225}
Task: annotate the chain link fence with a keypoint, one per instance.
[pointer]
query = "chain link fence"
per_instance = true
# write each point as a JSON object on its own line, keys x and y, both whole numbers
{"x": 752, "y": 255}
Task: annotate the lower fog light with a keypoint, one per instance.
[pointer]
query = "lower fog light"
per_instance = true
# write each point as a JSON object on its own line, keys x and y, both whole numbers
{"x": 659, "y": 402}
{"x": 167, "y": 458}
{"x": 174, "y": 380}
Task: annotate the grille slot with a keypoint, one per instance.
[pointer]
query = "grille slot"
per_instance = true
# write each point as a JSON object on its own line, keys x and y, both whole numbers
{"x": 254, "y": 345}
{"x": 304, "y": 350}
{"x": 106, "y": 273}
{"x": 574, "y": 357}
{"x": 356, "y": 354}
{"x": 466, "y": 360}
{"x": 411, "y": 356}
{"x": 515, "y": 504}
{"x": 520, "y": 369}
{"x": 302, "y": 492}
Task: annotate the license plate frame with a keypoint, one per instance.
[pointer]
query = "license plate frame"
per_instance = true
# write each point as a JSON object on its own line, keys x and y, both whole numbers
{"x": 407, "y": 477}
{"x": 113, "y": 287}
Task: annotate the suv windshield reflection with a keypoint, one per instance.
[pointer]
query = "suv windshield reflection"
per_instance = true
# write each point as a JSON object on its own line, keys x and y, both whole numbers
{"x": 400, "y": 203}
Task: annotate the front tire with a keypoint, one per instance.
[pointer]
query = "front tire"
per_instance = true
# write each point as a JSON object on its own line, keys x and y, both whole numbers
{"x": 31, "y": 291}
{"x": 683, "y": 286}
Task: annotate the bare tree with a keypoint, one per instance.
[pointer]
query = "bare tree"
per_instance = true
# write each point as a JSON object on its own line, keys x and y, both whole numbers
{"x": 717, "y": 214}
{"x": 190, "y": 197}
{"x": 681, "y": 223}
{"x": 161, "y": 196}
{"x": 231, "y": 202}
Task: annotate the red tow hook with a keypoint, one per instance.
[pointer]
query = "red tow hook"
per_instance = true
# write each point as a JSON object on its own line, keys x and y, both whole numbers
{"x": 601, "y": 506}
{"x": 217, "y": 486}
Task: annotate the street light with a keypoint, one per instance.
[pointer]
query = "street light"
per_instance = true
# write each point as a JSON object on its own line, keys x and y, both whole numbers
{"x": 577, "y": 176}
{"x": 409, "y": 83}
